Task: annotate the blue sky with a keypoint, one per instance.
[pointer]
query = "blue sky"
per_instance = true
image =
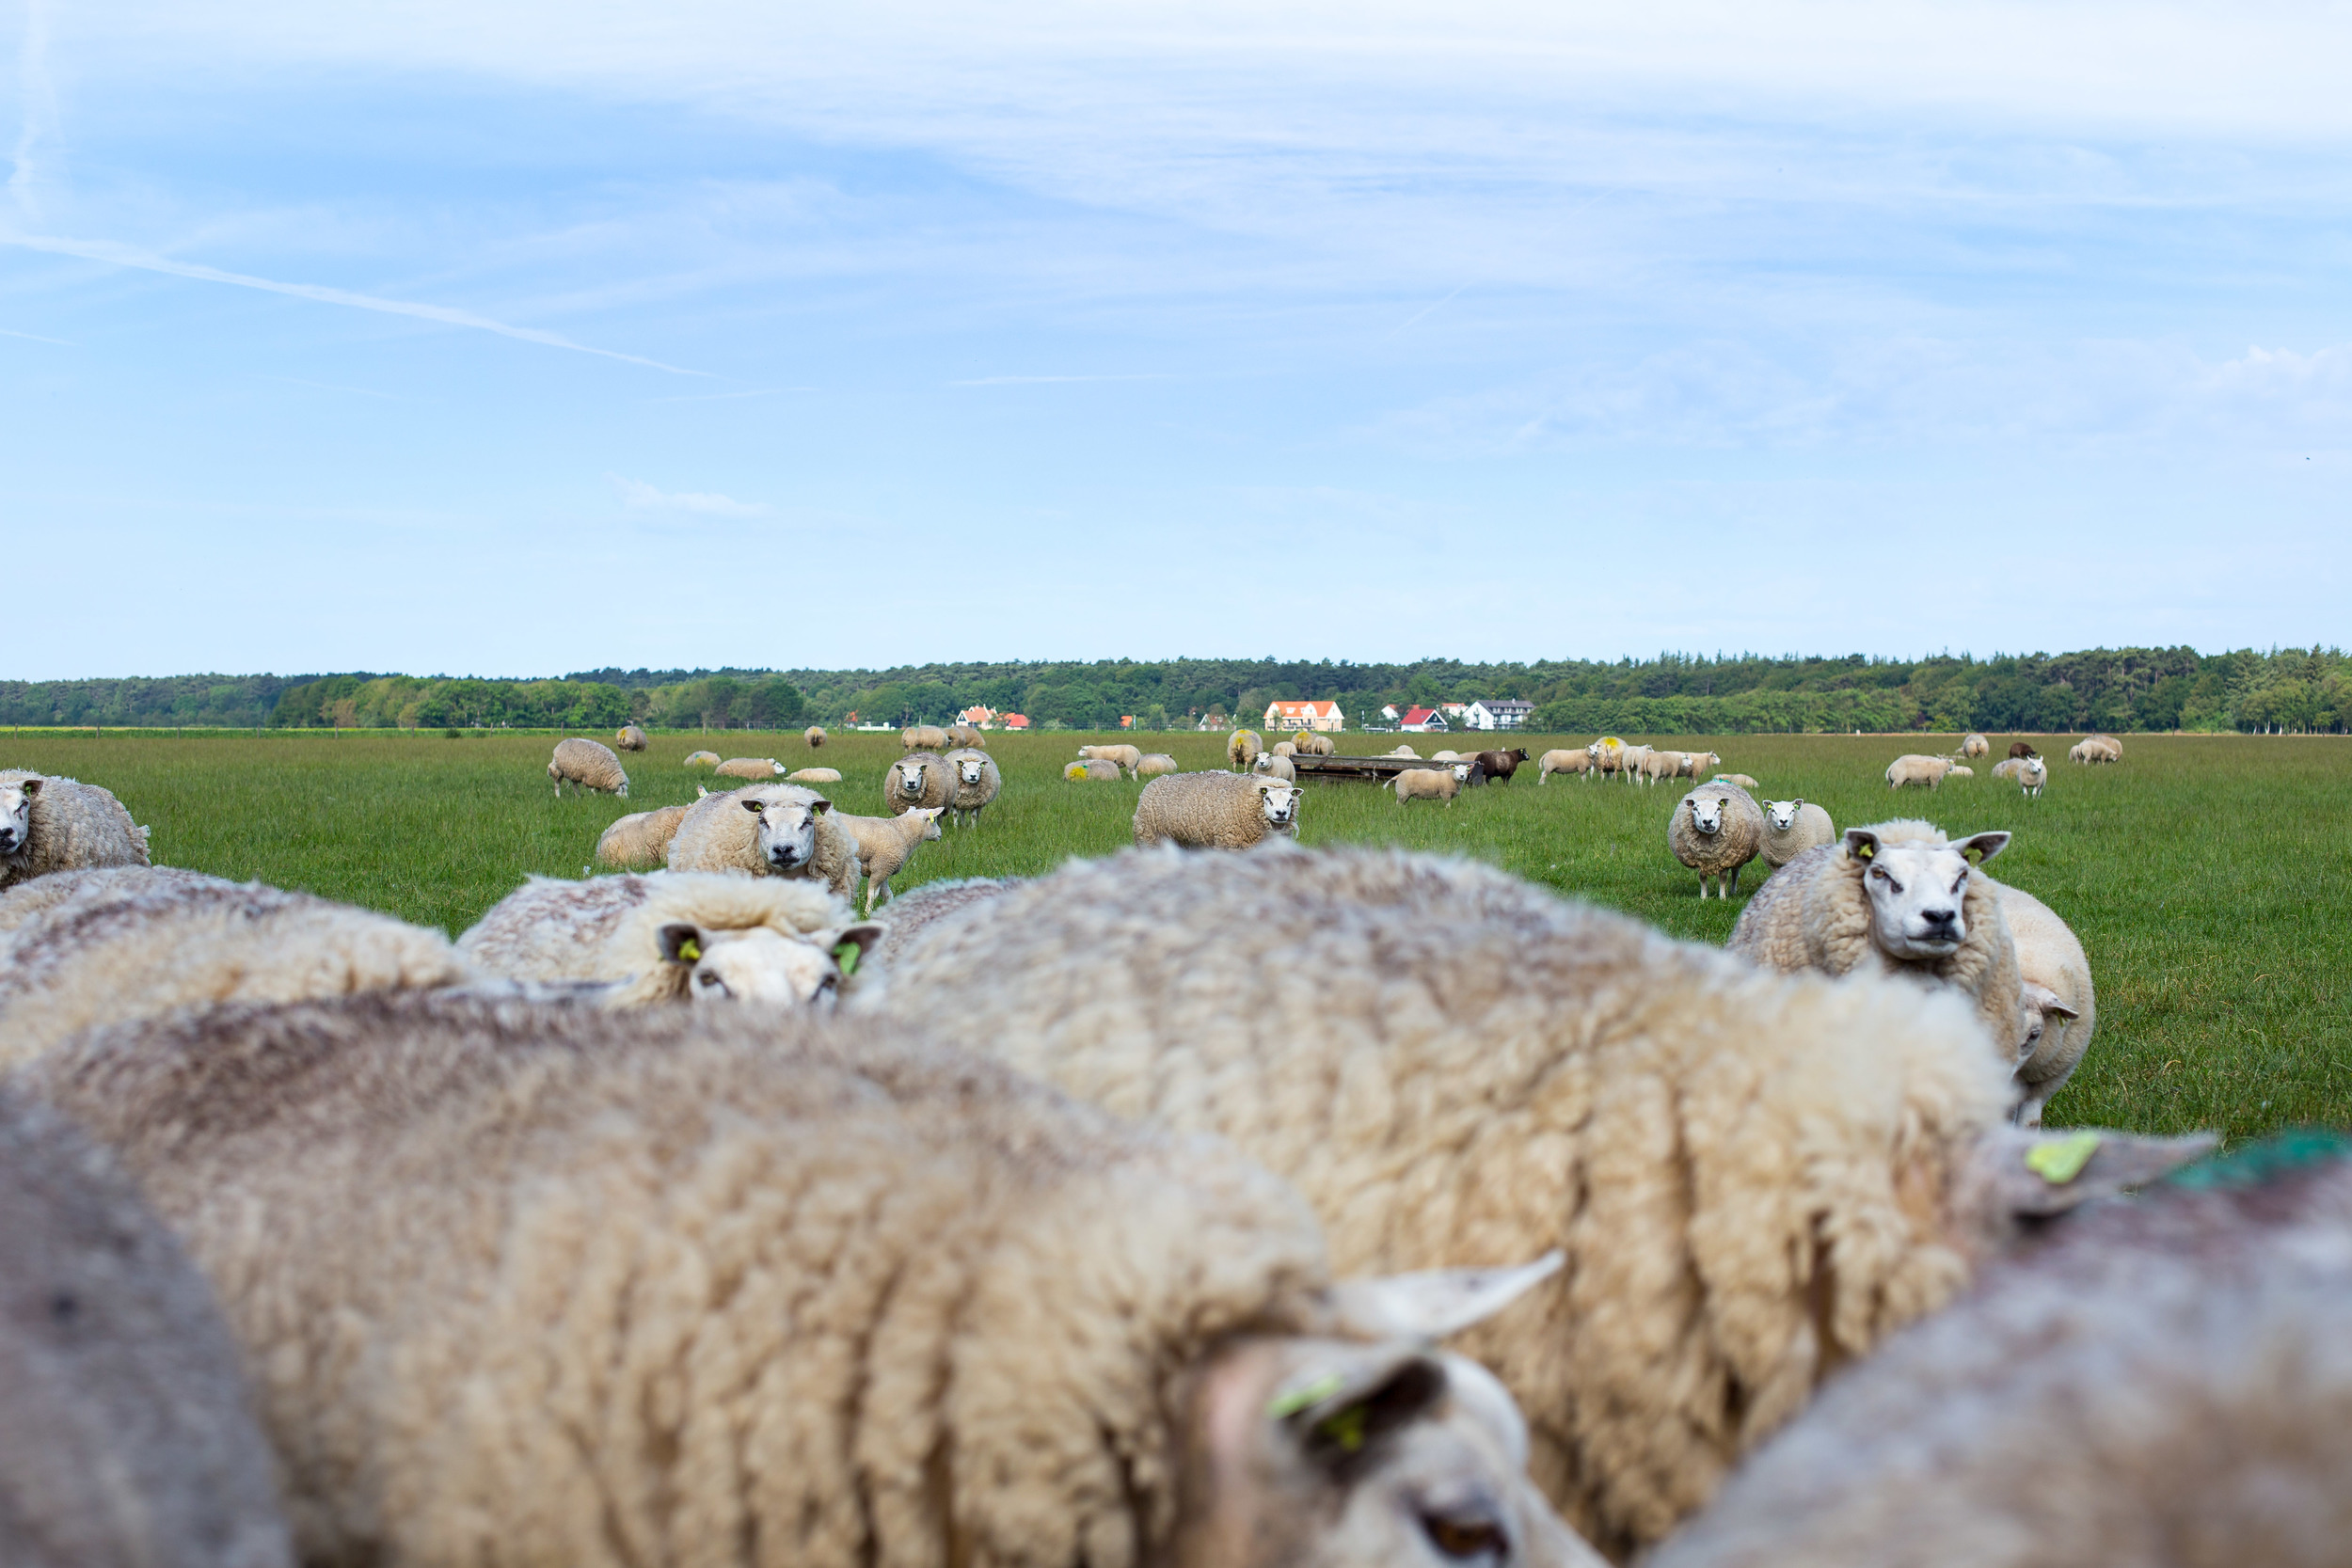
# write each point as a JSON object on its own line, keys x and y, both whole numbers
{"x": 516, "y": 337}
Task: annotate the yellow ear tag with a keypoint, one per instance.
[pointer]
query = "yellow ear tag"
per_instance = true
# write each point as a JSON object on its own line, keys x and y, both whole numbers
{"x": 1298, "y": 1396}
{"x": 1347, "y": 1429}
{"x": 690, "y": 950}
{"x": 847, "y": 955}
{"x": 2061, "y": 1161}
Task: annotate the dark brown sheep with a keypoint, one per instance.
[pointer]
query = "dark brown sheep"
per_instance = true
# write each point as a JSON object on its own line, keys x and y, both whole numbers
{"x": 1501, "y": 765}
{"x": 2019, "y": 749}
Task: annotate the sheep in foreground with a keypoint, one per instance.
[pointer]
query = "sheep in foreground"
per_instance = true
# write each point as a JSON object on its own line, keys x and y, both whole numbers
{"x": 1097, "y": 770}
{"x": 750, "y": 768}
{"x": 1315, "y": 745}
{"x": 140, "y": 949}
{"x": 672, "y": 937}
{"x": 2168, "y": 1381}
{"x": 1126, "y": 756}
{"x": 915, "y": 913}
{"x": 1426, "y": 784}
{"x": 631, "y": 738}
{"x": 768, "y": 831}
{"x": 1563, "y": 762}
{"x": 641, "y": 838}
{"x": 587, "y": 764}
{"x": 923, "y": 737}
{"x": 1791, "y": 828}
{"x": 885, "y": 843}
{"x": 1241, "y": 748}
{"x": 1215, "y": 811}
{"x": 1898, "y": 898}
{"x": 917, "y": 779}
{"x": 1715, "y": 830}
{"x": 1915, "y": 769}
{"x": 815, "y": 735}
{"x": 2061, "y": 1008}
{"x": 49, "y": 823}
{"x": 1755, "y": 1176}
{"x": 1155, "y": 764}
{"x": 973, "y": 783}
{"x": 702, "y": 759}
{"x": 2029, "y": 773}
{"x": 813, "y": 776}
{"x": 1269, "y": 765}
{"x": 126, "y": 1436}
{"x": 539, "y": 1284}
{"x": 26, "y": 902}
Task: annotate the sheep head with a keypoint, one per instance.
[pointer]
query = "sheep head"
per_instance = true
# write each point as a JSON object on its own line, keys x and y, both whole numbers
{"x": 1279, "y": 803}
{"x": 1707, "y": 814}
{"x": 969, "y": 769}
{"x": 16, "y": 815}
{"x": 762, "y": 964}
{"x": 1782, "y": 814}
{"x": 908, "y": 777}
{"x": 1916, "y": 889}
{"x": 788, "y": 826}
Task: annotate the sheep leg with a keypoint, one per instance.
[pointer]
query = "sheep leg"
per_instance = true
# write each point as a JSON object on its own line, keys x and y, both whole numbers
{"x": 1735, "y": 881}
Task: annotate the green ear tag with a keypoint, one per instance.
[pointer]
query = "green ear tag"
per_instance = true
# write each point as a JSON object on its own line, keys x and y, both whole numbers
{"x": 1297, "y": 1398}
{"x": 2061, "y": 1161}
{"x": 847, "y": 955}
{"x": 690, "y": 950}
{"x": 1347, "y": 1429}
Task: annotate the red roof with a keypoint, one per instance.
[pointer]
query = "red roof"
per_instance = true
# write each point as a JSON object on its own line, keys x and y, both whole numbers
{"x": 1418, "y": 716}
{"x": 1016, "y": 721}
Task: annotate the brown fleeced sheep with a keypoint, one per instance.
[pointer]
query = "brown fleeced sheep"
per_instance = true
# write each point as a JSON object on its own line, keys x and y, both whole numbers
{"x": 2062, "y": 1007}
{"x": 1242, "y": 748}
{"x": 547, "y": 1285}
{"x": 919, "y": 779}
{"x": 815, "y": 735}
{"x": 768, "y": 831}
{"x": 631, "y": 738}
{"x": 1916, "y": 769}
{"x": 1503, "y": 765}
{"x": 587, "y": 764}
{"x": 50, "y": 823}
{"x": 1215, "y": 811}
{"x": 923, "y": 737}
{"x": 885, "y": 843}
{"x": 1715, "y": 830}
{"x": 759, "y": 768}
{"x": 2022, "y": 749}
{"x": 641, "y": 838}
{"x": 1755, "y": 1176}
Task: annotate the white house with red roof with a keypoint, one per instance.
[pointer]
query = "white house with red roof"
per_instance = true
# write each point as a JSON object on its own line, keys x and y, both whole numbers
{"x": 1323, "y": 717}
{"x": 1421, "y": 718}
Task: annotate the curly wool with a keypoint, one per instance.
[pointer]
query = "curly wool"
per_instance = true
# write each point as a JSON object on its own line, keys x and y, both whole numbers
{"x": 1242, "y": 747}
{"x": 1203, "y": 811}
{"x": 936, "y": 782}
{"x": 609, "y": 927}
{"x": 36, "y": 899}
{"x": 1724, "y": 852}
{"x": 588, "y": 764}
{"x": 69, "y": 826}
{"x": 920, "y": 911}
{"x": 718, "y": 834}
{"x": 641, "y": 838}
{"x": 1811, "y": 829}
{"x": 967, "y": 800}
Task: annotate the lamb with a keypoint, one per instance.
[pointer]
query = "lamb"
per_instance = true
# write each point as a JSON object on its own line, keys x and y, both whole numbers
{"x": 631, "y": 738}
{"x": 1269, "y": 765}
{"x": 2030, "y": 773}
{"x": 1426, "y": 784}
{"x": 1976, "y": 746}
{"x": 51, "y": 823}
{"x": 885, "y": 843}
{"x": 2022, "y": 749}
{"x": 1715, "y": 830}
{"x": 2166, "y": 1381}
{"x": 923, "y": 737}
{"x": 127, "y": 1439}
{"x": 141, "y": 948}
{"x": 815, "y": 736}
{"x": 1755, "y": 1176}
{"x": 1155, "y": 764}
{"x": 1563, "y": 762}
{"x": 1241, "y": 747}
{"x": 1126, "y": 756}
{"x": 1098, "y": 771}
{"x": 1315, "y": 745}
{"x": 542, "y": 1284}
{"x": 1913, "y": 768}
{"x": 813, "y": 776}
{"x": 750, "y": 768}
{"x": 1897, "y": 898}
{"x": 641, "y": 838}
{"x": 1215, "y": 811}
{"x": 768, "y": 831}
{"x": 1503, "y": 765}
{"x": 673, "y": 937}
{"x": 587, "y": 764}
{"x": 915, "y": 913}
{"x": 702, "y": 759}
{"x": 2061, "y": 1008}
{"x": 1791, "y": 828}
{"x": 918, "y": 778}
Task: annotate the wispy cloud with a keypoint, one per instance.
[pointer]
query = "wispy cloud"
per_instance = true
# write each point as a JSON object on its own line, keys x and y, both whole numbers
{"x": 639, "y": 497}
{"x": 35, "y": 337}
{"x": 1047, "y": 380}
{"x": 40, "y": 112}
{"x": 725, "y": 397}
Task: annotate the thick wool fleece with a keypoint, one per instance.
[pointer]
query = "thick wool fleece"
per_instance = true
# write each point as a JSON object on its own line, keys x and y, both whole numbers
{"x": 2050, "y": 955}
{"x": 938, "y": 782}
{"x": 1813, "y": 913}
{"x": 641, "y": 838}
{"x": 545, "y": 1285}
{"x": 142, "y": 950}
{"x": 917, "y": 912}
{"x": 609, "y": 927}
{"x": 1203, "y": 811}
{"x": 126, "y": 1440}
{"x": 588, "y": 764}
{"x": 70, "y": 825}
{"x": 966, "y": 801}
{"x": 28, "y": 902}
{"x": 1746, "y": 1170}
{"x": 718, "y": 834}
{"x": 1722, "y": 854}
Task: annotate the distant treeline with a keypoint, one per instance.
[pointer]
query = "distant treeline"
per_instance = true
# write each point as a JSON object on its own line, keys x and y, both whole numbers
{"x": 2106, "y": 688}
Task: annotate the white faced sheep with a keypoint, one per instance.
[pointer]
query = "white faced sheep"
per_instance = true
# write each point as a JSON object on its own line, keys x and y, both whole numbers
{"x": 1426, "y": 784}
{"x": 702, "y": 759}
{"x": 1241, "y": 748}
{"x": 1155, "y": 764}
{"x": 1791, "y": 828}
{"x": 885, "y": 843}
{"x": 1898, "y": 898}
{"x": 750, "y": 768}
{"x": 587, "y": 764}
{"x": 923, "y": 737}
{"x": 2030, "y": 773}
{"x": 50, "y": 823}
{"x": 2061, "y": 1009}
{"x": 1126, "y": 756}
{"x": 1976, "y": 746}
{"x": 631, "y": 738}
{"x": 920, "y": 779}
{"x": 2166, "y": 1381}
{"x": 813, "y": 776}
{"x": 127, "y": 1439}
{"x": 768, "y": 831}
{"x": 1755, "y": 1176}
{"x": 549, "y": 1285}
{"x": 1268, "y": 765}
{"x": 641, "y": 838}
{"x": 815, "y": 735}
{"x": 1916, "y": 769}
{"x": 1563, "y": 762}
{"x": 674, "y": 936}
{"x": 1715, "y": 830}
{"x": 973, "y": 783}
{"x": 1215, "y": 811}
{"x": 1095, "y": 770}
{"x": 1703, "y": 763}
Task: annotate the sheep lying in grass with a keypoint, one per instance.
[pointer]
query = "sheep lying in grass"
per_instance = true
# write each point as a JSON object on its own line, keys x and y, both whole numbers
{"x": 1715, "y": 830}
{"x": 1215, "y": 811}
{"x": 1096, "y": 771}
{"x": 1155, "y": 764}
{"x": 1563, "y": 762}
{"x": 1427, "y": 783}
{"x": 750, "y": 768}
{"x": 1916, "y": 770}
{"x": 641, "y": 838}
{"x": 49, "y": 823}
{"x": 1742, "y": 779}
{"x": 815, "y": 735}
{"x": 631, "y": 738}
{"x": 2030, "y": 773}
{"x": 2022, "y": 749}
{"x": 1405, "y": 752}
{"x": 702, "y": 759}
{"x": 1791, "y": 828}
{"x": 674, "y": 936}
{"x": 545, "y": 1285}
{"x": 1960, "y": 770}
{"x": 126, "y": 1436}
{"x": 1126, "y": 756}
{"x": 813, "y": 776}
{"x": 1241, "y": 748}
{"x": 973, "y": 783}
{"x": 1755, "y": 1176}
{"x": 917, "y": 779}
{"x": 768, "y": 831}
{"x": 2060, "y": 1006}
{"x": 923, "y": 737}
{"x": 587, "y": 764}
{"x": 1445, "y": 756}
{"x": 885, "y": 843}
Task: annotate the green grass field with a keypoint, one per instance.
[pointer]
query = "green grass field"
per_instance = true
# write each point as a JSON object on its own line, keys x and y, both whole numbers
{"x": 2210, "y": 878}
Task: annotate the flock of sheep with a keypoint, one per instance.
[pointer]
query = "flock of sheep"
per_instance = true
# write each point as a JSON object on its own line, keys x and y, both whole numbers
{"x": 1183, "y": 1206}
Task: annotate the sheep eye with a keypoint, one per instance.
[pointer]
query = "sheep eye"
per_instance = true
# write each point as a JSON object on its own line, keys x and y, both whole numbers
{"x": 1466, "y": 1538}
{"x": 709, "y": 981}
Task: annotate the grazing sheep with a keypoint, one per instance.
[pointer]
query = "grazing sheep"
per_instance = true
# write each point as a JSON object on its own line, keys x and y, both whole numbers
{"x": 1563, "y": 762}
{"x": 629, "y": 738}
{"x": 2096, "y": 749}
{"x": 2061, "y": 1008}
{"x": 1791, "y": 828}
{"x": 1155, "y": 764}
{"x": 750, "y": 768}
{"x": 641, "y": 838}
{"x": 1976, "y": 746}
{"x": 702, "y": 759}
{"x": 1755, "y": 1176}
{"x": 966, "y": 737}
{"x": 1126, "y": 756}
{"x": 26, "y": 902}
{"x": 1242, "y": 747}
{"x": 1097, "y": 770}
{"x": 2030, "y": 773}
{"x": 1215, "y": 811}
{"x": 1715, "y": 830}
{"x": 813, "y": 776}
{"x": 1426, "y": 784}
{"x": 127, "y": 1437}
{"x": 918, "y": 778}
{"x": 1503, "y": 765}
{"x": 1405, "y": 752}
{"x": 545, "y": 1285}
{"x": 1270, "y": 765}
{"x": 676, "y": 935}
{"x": 587, "y": 764}
{"x": 1897, "y": 898}
{"x": 915, "y": 913}
{"x": 1916, "y": 769}
{"x": 768, "y": 831}
{"x": 885, "y": 843}
{"x": 1742, "y": 779}
{"x": 815, "y": 735}
{"x": 2166, "y": 1381}
{"x": 2022, "y": 749}
{"x": 140, "y": 948}
{"x": 1703, "y": 763}
{"x": 1315, "y": 745}
{"x": 923, "y": 737}
{"x": 49, "y": 823}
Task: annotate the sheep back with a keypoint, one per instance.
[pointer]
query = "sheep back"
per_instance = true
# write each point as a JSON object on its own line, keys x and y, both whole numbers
{"x": 2051, "y": 956}
{"x": 35, "y": 900}
{"x": 1564, "y": 761}
{"x": 1315, "y": 744}
{"x": 588, "y": 764}
{"x": 1722, "y": 854}
{"x": 1810, "y": 831}
{"x": 923, "y": 737}
{"x": 918, "y": 912}
{"x": 1425, "y": 783}
{"x": 1155, "y": 764}
{"x": 1202, "y": 811}
{"x": 1976, "y": 746}
{"x": 1092, "y": 770}
{"x": 69, "y": 826}
{"x": 750, "y": 768}
{"x": 702, "y": 759}
{"x": 1242, "y": 747}
{"x": 813, "y": 775}
{"x": 608, "y": 927}
{"x": 631, "y": 738}
{"x": 815, "y": 735}
{"x": 1126, "y": 756}
{"x": 1916, "y": 769}
{"x": 641, "y": 838}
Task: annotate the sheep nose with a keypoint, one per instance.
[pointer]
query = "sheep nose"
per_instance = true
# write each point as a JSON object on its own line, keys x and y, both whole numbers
{"x": 1941, "y": 919}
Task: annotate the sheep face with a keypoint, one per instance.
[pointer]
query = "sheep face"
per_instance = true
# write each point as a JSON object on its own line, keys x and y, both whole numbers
{"x": 968, "y": 770}
{"x": 1707, "y": 814}
{"x": 2043, "y": 1012}
{"x": 1916, "y": 889}
{"x": 907, "y": 779}
{"x": 1280, "y": 803}
{"x": 1782, "y": 814}
{"x": 16, "y": 815}
{"x": 788, "y": 831}
{"x": 764, "y": 965}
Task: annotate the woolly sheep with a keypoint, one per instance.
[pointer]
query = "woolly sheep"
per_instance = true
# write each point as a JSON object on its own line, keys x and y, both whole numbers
{"x": 1563, "y": 762}
{"x": 813, "y": 775}
{"x": 1608, "y": 755}
{"x": 541, "y": 1284}
{"x": 768, "y": 831}
{"x": 631, "y": 738}
{"x": 1634, "y": 763}
{"x": 1445, "y": 756}
{"x": 1405, "y": 752}
{"x": 1715, "y": 830}
{"x": 2095, "y": 748}
{"x": 918, "y": 778}
{"x": 1241, "y": 747}
{"x": 1215, "y": 811}
{"x": 1504, "y": 764}
{"x": 587, "y": 764}
{"x": 1286, "y": 748}
{"x": 1698, "y": 764}
{"x": 641, "y": 838}
{"x": 1426, "y": 784}
{"x": 1791, "y": 828}
{"x": 973, "y": 783}
{"x": 1315, "y": 745}
{"x": 673, "y": 935}
{"x": 1916, "y": 769}
{"x": 815, "y": 735}
{"x": 136, "y": 949}
{"x": 1897, "y": 898}
{"x": 35, "y": 900}
{"x": 127, "y": 1439}
{"x": 1755, "y": 1176}
{"x": 1269, "y": 765}
{"x": 1742, "y": 779}
{"x": 966, "y": 737}
{"x": 2030, "y": 773}
{"x": 702, "y": 759}
{"x": 1976, "y": 746}
{"x": 915, "y": 913}
{"x": 2166, "y": 1381}
{"x": 2022, "y": 749}
{"x": 923, "y": 737}
{"x": 750, "y": 768}
{"x": 885, "y": 843}
{"x": 2061, "y": 1008}
{"x": 1126, "y": 756}
{"x": 1960, "y": 770}
{"x": 1155, "y": 764}
{"x": 1098, "y": 771}
{"x": 51, "y": 823}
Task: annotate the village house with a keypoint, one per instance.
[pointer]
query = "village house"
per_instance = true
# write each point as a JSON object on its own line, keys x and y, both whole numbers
{"x": 1323, "y": 717}
{"x": 1421, "y": 718}
{"x": 1498, "y": 713}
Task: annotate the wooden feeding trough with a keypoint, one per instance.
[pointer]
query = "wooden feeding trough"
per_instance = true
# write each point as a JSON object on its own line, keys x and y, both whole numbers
{"x": 1378, "y": 769}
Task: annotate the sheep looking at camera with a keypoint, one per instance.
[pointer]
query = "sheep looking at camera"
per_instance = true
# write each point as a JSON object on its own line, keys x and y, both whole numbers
{"x": 768, "y": 831}
{"x": 1791, "y": 828}
{"x": 1715, "y": 830}
{"x": 1215, "y": 811}
{"x": 916, "y": 780}
{"x": 50, "y": 823}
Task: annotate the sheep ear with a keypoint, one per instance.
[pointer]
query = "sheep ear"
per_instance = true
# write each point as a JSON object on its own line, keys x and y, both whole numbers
{"x": 821, "y": 805}
{"x": 1987, "y": 846}
{"x": 2059, "y": 1010}
{"x": 1797, "y": 804}
{"x": 31, "y": 787}
{"x": 1861, "y": 842}
{"x": 1336, "y": 1411}
{"x": 680, "y": 942}
{"x": 2015, "y": 1174}
{"x": 1432, "y": 1305}
{"x": 753, "y": 806}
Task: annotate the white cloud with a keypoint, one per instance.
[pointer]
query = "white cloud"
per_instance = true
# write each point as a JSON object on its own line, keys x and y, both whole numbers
{"x": 639, "y": 497}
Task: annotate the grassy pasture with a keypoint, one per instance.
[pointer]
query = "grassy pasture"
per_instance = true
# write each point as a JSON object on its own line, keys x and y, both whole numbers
{"x": 2210, "y": 878}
